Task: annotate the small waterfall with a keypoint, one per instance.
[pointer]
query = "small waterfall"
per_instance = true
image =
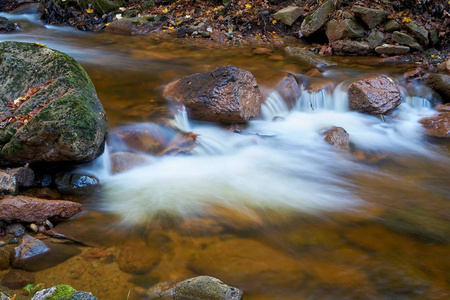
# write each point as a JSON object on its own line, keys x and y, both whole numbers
{"x": 181, "y": 120}
{"x": 323, "y": 100}
{"x": 418, "y": 103}
{"x": 274, "y": 106}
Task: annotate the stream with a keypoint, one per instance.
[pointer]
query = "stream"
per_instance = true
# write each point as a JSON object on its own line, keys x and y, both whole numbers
{"x": 273, "y": 210}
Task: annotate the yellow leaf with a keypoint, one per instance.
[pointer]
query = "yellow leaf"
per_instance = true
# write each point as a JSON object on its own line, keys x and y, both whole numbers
{"x": 171, "y": 28}
{"x": 89, "y": 10}
{"x": 39, "y": 45}
{"x": 107, "y": 24}
{"x": 179, "y": 22}
{"x": 274, "y": 22}
{"x": 230, "y": 30}
{"x": 248, "y": 6}
{"x": 406, "y": 20}
{"x": 433, "y": 56}
{"x": 165, "y": 10}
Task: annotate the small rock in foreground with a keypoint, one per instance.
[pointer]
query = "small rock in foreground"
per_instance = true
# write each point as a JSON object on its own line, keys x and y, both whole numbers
{"x": 201, "y": 287}
{"x": 437, "y": 125}
{"x": 6, "y": 25}
{"x": 337, "y": 137}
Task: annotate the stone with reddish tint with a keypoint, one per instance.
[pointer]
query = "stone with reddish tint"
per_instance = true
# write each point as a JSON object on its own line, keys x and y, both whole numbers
{"x": 137, "y": 258}
{"x": 124, "y": 161}
{"x": 34, "y": 210}
{"x": 337, "y": 137}
{"x": 24, "y": 176}
{"x": 28, "y": 248}
{"x": 17, "y": 279}
{"x": 289, "y": 90}
{"x": 437, "y": 125}
{"x": 225, "y": 95}
{"x": 443, "y": 107}
{"x": 441, "y": 84}
{"x": 374, "y": 95}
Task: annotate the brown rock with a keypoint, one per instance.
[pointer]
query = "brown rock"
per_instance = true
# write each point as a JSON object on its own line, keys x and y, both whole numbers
{"x": 150, "y": 139}
{"x": 124, "y": 161}
{"x": 443, "y": 107}
{"x": 181, "y": 143}
{"x": 4, "y": 258}
{"x": 438, "y": 125}
{"x": 29, "y": 209}
{"x": 28, "y": 248}
{"x": 349, "y": 47}
{"x": 17, "y": 279}
{"x": 337, "y": 137}
{"x": 137, "y": 258}
{"x": 308, "y": 58}
{"x": 226, "y": 95}
{"x": 48, "y": 193}
{"x": 445, "y": 66}
{"x": 289, "y": 90}
{"x": 374, "y": 95}
{"x": 441, "y": 84}
{"x": 262, "y": 51}
{"x": 24, "y": 176}
{"x": 8, "y": 183}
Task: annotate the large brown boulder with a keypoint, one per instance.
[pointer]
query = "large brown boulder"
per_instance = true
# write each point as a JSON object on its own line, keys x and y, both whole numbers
{"x": 374, "y": 95}
{"x": 437, "y": 125}
{"x": 441, "y": 84}
{"x": 29, "y": 209}
{"x": 226, "y": 95}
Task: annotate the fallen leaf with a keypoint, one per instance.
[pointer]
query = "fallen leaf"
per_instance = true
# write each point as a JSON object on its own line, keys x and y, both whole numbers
{"x": 39, "y": 45}
{"x": 89, "y": 10}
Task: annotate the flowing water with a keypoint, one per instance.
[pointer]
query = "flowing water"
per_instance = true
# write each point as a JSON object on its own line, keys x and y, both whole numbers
{"x": 269, "y": 207}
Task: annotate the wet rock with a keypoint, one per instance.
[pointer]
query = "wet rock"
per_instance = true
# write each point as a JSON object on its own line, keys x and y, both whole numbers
{"x": 445, "y": 66}
{"x": 16, "y": 229}
{"x": 54, "y": 104}
{"x": 76, "y": 184}
{"x": 8, "y": 183}
{"x": 392, "y": 25}
{"x": 28, "y": 8}
{"x": 308, "y": 58}
{"x": 349, "y": 47}
{"x": 392, "y": 49}
{"x": 181, "y": 143}
{"x": 289, "y": 91}
{"x": 437, "y": 125}
{"x": 137, "y": 258}
{"x": 443, "y": 107}
{"x": 370, "y": 17}
{"x": 374, "y": 95}
{"x": 201, "y": 287}
{"x": 6, "y": 25}
{"x": 24, "y": 176}
{"x": 27, "y": 249}
{"x": 337, "y": 137}
{"x": 419, "y": 32}
{"x": 262, "y": 51}
{"x": 375, "y": 39}
{"x": 441, "y": 84}
{"x": 134, "y": 26}
{"x": 48, "y": 193}
{"x": 62, "y": 291}
{"x": 17, "y": 279}
{"x": 288, "y": 15}
{"x": 405, "y": 39}
{"x": 124, "y": 161}
{"x": 339, "y": 29}
{"x": 79, "y": 295}
{"x": 317, "y": 19}
{"x": 4, "y": 258}
{"x": 226, "y": 95}
{"x": 34, "y": 210}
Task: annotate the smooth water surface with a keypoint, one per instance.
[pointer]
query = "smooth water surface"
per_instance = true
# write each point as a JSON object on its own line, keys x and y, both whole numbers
{"x": 273, "y": 209}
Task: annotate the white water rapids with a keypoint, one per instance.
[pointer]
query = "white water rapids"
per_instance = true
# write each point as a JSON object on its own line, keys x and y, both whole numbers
{"x": 271, "y": 165}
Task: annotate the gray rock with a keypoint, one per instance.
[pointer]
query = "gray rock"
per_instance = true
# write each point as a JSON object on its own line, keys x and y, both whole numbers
{"x": 8, "y": 183}
{"x": 66, "y": 122}
{"x": 375, "y": 39}
{"x": 405, "y": 39}
{"x": 374, "y": 95}
{"x": 201, "y": 287}
{"x": 24, "y": 176}
{"x": 392, "y": 25}
{"x": 63, "y": 291}
{"x": 308, "y": 58}
{"x": 347, "y": 15}
{"x": 434, "y": 36}
{"x": 83, "y": 296}
{"x": 28, "y": 248}
{"x": 17, "y": 279}
{"x": 339, "y": 29}
{"x": 4, "y": 296}
{"x": 76, "y": 184}
{"x": 441, "y": 84}
{"x": 317, "y": 19}
{"x": 288, "y": 15}
{"x": 419, "y": 32}
{"x": 337, "y": 137}
{"x": 370, "y": 17}
{"x": 392, "y": 49}
{"x": 28, "y": 8}
{"x": 349, "y": 47}
{"x": 16, "y": 229}
{"x": 6, "y": 25}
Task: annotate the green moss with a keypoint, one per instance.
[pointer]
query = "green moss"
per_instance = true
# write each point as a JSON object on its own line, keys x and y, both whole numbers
{"x": 62, "y": 292}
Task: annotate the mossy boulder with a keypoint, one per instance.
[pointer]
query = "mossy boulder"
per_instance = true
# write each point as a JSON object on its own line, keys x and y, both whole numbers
{"x": 49, "y": 108}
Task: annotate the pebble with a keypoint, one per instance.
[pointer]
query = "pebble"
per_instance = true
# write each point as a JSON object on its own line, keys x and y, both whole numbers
{"x": 34, "y": 227}
{"x": 15, "y": 229}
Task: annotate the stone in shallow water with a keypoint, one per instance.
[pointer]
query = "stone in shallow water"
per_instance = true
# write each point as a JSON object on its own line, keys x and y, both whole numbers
{"x": 6, "y": 25}
{"x": 437, "y": 125}
{"x": 27, "y": 249}
{"x": 308, "y": 58}
{"x": 17, "y": 279}
{"x": 392, "y": 49}
{"x": 337, "y": 137}
{"x": 76, "y": 184}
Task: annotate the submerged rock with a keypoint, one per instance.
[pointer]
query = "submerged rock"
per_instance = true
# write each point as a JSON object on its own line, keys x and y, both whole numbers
{"x": 374, "y": 95}
{"x": 124, "y": 161}
{"x": 437, "y": 125}
{"x": 27, "y": 249}
{"x": 288, "y": 15}
{"x": 226, "y": 95}
{"x": 337, "y": 137}
{"x": 34, "y": 210}
{"x": 51, "y": 112}
{"x": 76, "y": 184}
{"x": 6, "y": 25}
{"x": 4, "y": 259}
{"x": 317, "y": 19}
{"x": 308, "y": 58}
{"x": 289, "y": 91}
{"x": 201, "y": 287}
{"x": 17, "y": 279}
{"x": 370, "y": 17}
{"x": 137, "y": 258}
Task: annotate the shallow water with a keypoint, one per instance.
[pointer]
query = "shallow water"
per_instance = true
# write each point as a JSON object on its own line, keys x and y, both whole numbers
{"x": 273, "y": 210}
